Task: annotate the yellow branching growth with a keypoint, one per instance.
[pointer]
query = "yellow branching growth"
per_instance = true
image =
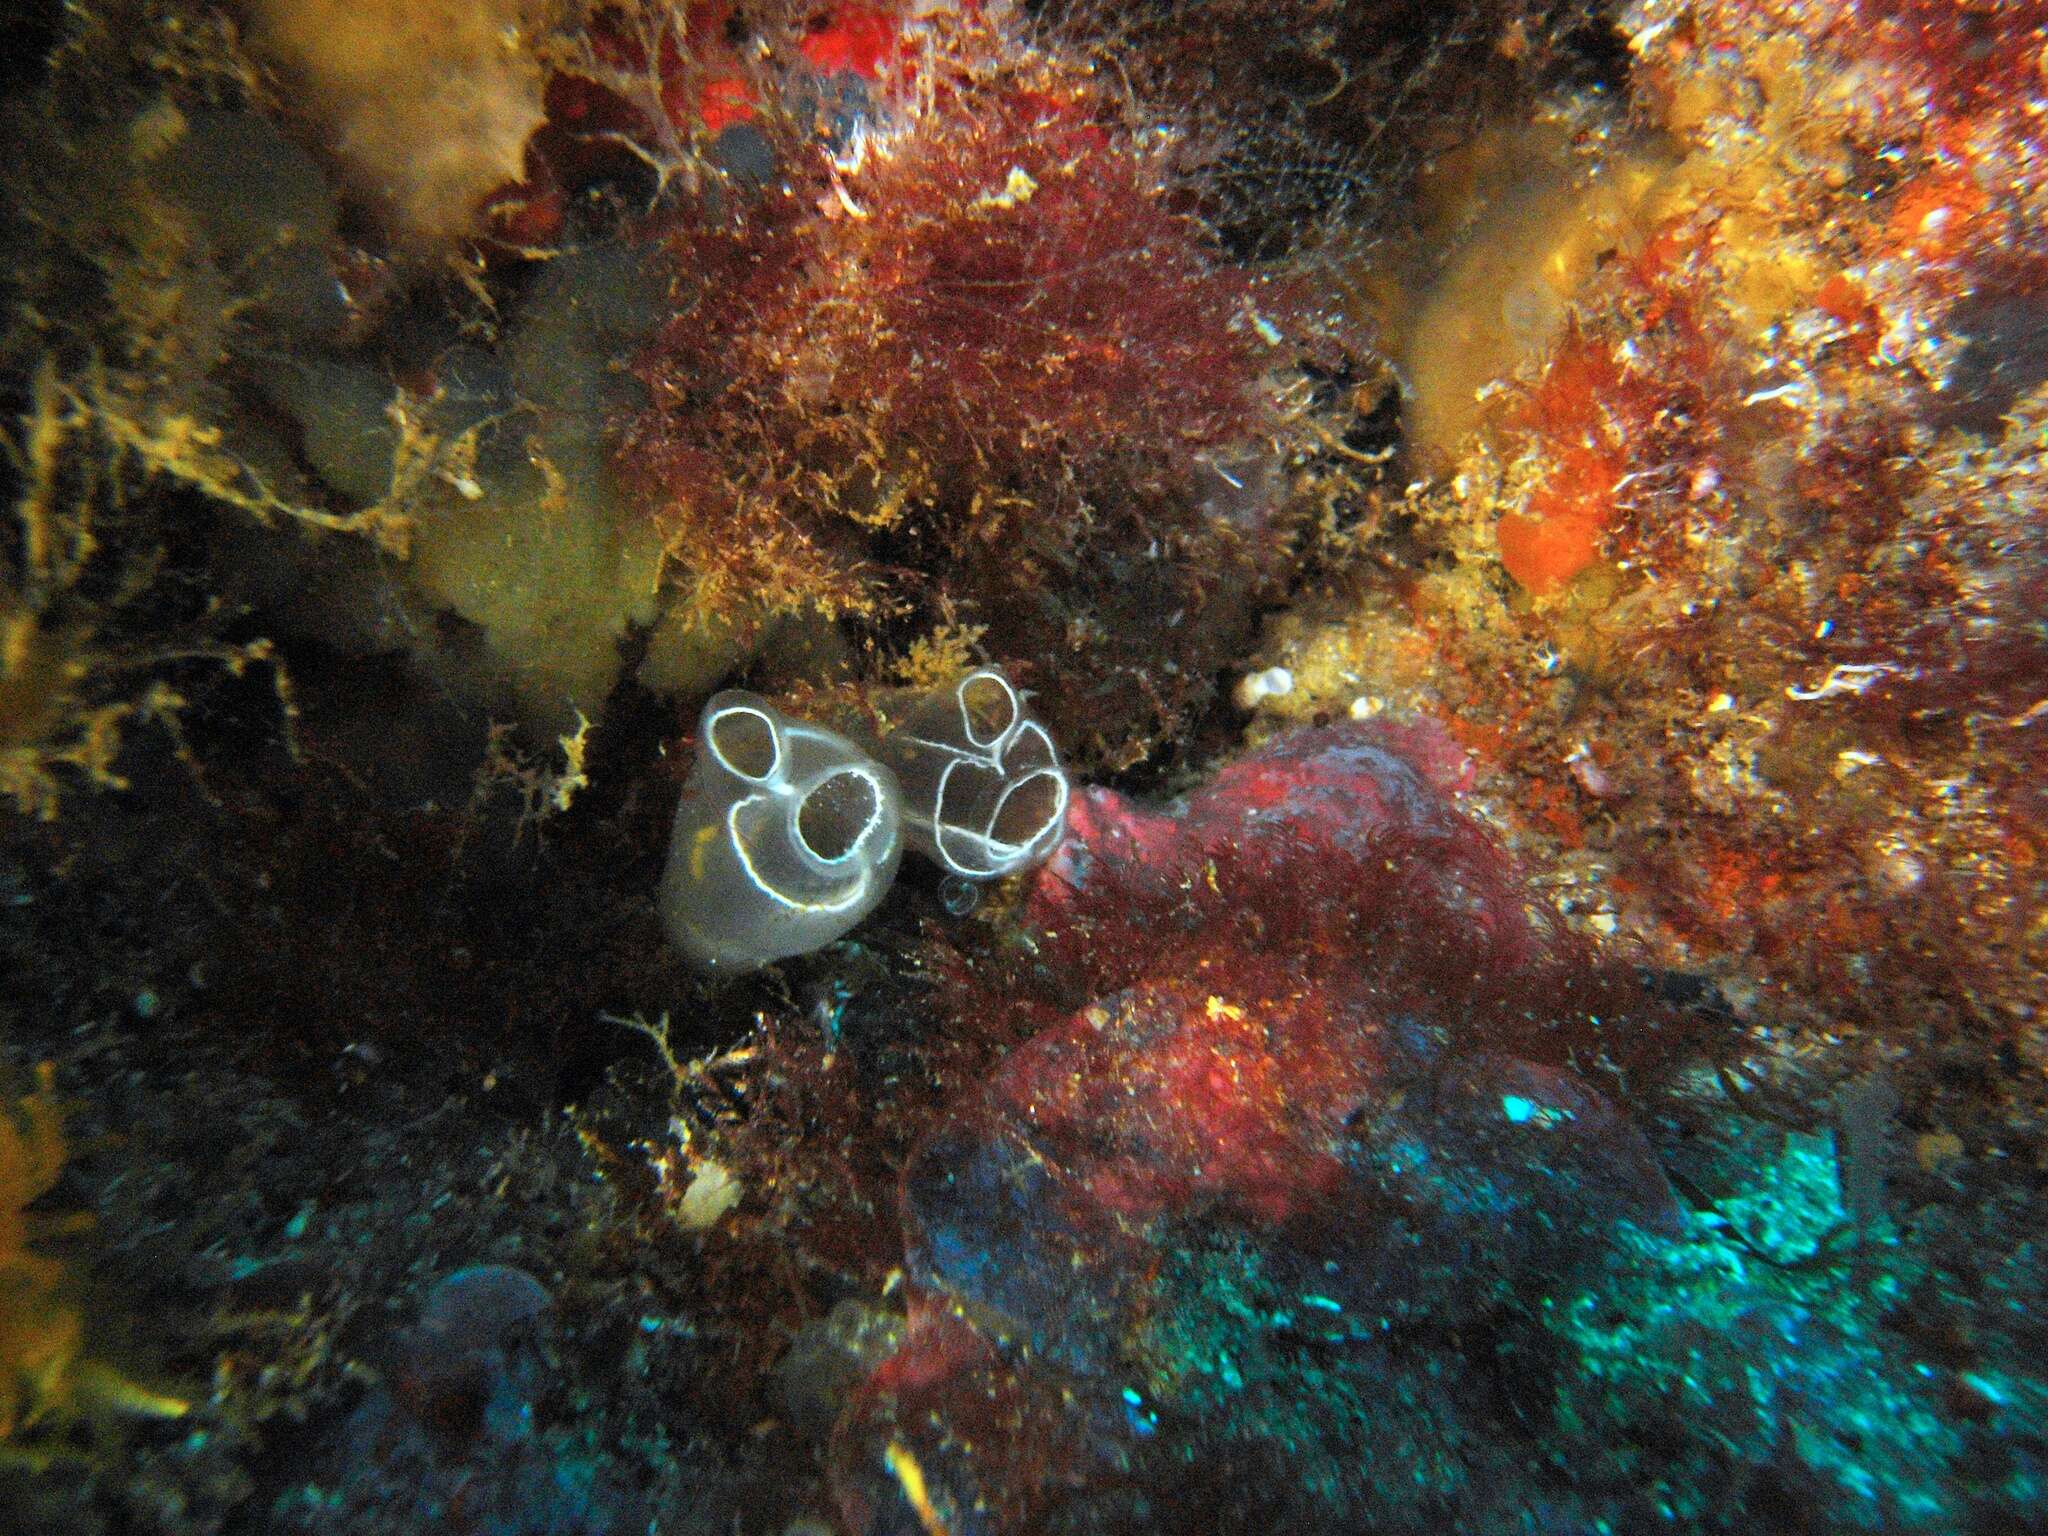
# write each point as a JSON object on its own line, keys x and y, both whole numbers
{"x": 656, "y": 66}
{"x": 44, "y": 1370}
{"x": 39, "y": 1334}
{"x": 190, "y": 452}
{"x": 944, "y": 656}
{"x": 62, "y": 699}
{"x": 42, "y": 660}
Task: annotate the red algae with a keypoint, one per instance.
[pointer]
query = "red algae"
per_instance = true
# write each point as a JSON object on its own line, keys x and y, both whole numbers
{"x": 1026, "y": 288}
{"x": 961, "y": 360}
{"x": 928, "y": 1449}
{"x": 1481, "y": 1101}
{"x": 1964, "y": 56}
{"x": 990, "y": 284}
{"x": 1757, "y": 538}
{"x": 1314, "y": 952}
{"x": 1326, "y": 844}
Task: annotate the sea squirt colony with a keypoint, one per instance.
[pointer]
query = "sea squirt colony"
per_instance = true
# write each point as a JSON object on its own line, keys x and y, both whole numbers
{"x": 789, "y": 834}
{"x": 1445, "y": 599}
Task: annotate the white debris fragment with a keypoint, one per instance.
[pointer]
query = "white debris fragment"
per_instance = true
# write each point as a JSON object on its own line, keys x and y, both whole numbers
{"x": 1848, "y": 677}
{"x": 1254, "y": 688}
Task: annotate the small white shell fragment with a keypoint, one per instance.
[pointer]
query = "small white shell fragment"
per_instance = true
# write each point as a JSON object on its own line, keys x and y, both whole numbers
{"x": 713, "y": 1191}
{"x": 1256, "y": 687}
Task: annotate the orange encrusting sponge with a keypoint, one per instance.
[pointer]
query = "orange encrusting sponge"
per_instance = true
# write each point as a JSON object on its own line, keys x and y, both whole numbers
{"x": 1572, "y": 412}
{"x": 1544, "y": 551}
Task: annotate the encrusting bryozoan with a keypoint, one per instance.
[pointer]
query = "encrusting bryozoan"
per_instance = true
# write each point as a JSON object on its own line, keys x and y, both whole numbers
{"x": 984, "y": 791}
{"x": 786, "y": 837}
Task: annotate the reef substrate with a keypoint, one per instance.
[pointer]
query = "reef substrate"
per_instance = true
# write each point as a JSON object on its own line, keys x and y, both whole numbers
{"x": 1524, "y": 520}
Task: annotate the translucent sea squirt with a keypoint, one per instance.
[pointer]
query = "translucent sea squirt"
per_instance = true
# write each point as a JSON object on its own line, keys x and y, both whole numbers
{"x": 984, "y": 791}
{"x": 786, "y": 837}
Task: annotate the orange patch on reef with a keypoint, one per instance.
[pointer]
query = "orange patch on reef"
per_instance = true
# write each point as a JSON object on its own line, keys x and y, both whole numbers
{"x": 1844, "y": 300}
{"x": 1660, "y": 259}
{"x": 1735, "y": 882}
{"x": 1484, "y": 741}
{"x": 854, "y": 39}
{"x": 1543, "y": 553}
{"x": 1559, "y": 534}
{"x": 1600, "y": 414}
{"x": 723, "y": 103}
{"x": 1935, "y": 216}
{"x": 1548, "y": 808}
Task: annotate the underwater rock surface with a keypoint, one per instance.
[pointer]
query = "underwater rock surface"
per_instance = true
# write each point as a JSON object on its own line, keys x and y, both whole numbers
{"x": 1449, "y": 599}
{"x": 1312, "y": 1147}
